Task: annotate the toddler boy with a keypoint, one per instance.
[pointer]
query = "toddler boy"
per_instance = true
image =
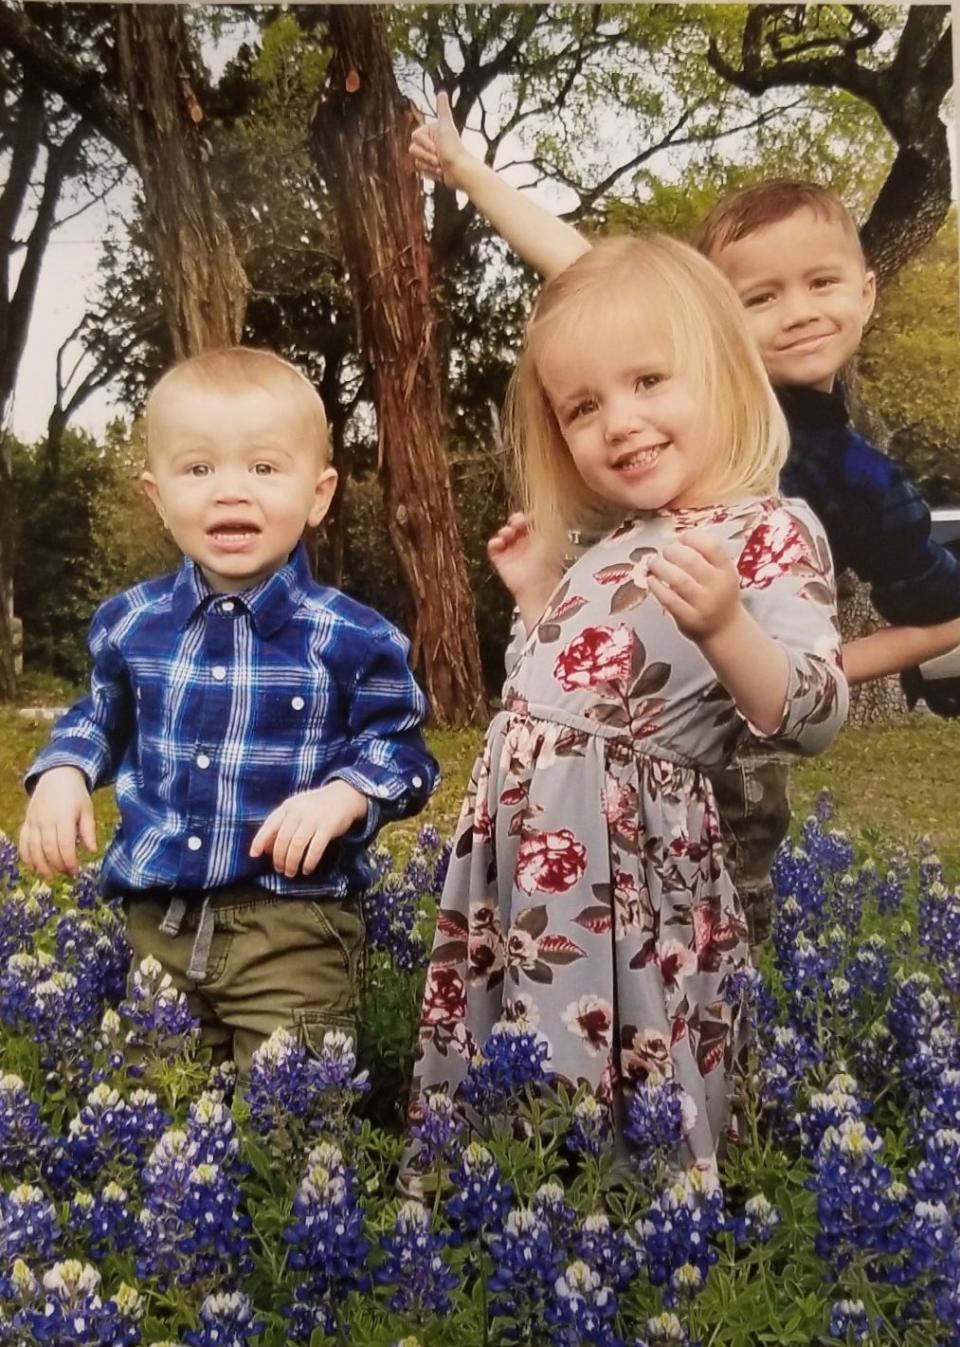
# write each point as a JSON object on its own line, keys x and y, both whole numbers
{"x": 260, "y": 728}
{"x": 792, "y": 253}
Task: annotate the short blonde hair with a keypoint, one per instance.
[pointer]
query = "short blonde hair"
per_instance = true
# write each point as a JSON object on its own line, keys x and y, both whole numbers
{"x": 236, "y": 367}
{"x": 704, "y": 325}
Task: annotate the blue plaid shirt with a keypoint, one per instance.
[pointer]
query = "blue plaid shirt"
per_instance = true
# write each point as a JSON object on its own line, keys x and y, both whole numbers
{"x": 210, "y": 709}
{"x": 875, "y": 519}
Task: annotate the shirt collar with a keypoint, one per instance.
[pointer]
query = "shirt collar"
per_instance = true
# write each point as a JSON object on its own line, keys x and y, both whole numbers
{"x": 812, "y": 409}
{"x": 270, "y": 604}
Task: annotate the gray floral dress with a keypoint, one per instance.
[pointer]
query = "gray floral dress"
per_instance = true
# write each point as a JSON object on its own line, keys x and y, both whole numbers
{"x": 587, "y": 895}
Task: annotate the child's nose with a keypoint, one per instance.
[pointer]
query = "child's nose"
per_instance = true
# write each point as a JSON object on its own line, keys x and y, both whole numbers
{"x": 797, "y": 307}
{"x": 233, "y": 487}
{"x": 623, "y": 418}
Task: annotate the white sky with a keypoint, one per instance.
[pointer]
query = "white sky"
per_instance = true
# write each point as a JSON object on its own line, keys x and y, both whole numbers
{"x": 68, "y": 280}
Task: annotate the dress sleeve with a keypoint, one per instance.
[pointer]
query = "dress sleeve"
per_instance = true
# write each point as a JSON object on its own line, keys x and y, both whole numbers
{"x": 94, "y": 733}
{"x": 787, "y": 586}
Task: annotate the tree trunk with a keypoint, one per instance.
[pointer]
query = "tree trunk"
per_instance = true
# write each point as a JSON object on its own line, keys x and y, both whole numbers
{"x": 204, "y": 285}
{"x": 882, "y": 699}
{"x": 360, "y": 135}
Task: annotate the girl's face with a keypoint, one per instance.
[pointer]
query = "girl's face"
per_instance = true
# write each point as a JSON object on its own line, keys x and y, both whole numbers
{"x": 635, "y": 424}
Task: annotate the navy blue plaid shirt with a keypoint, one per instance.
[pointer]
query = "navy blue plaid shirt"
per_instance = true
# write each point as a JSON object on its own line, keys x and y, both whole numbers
{"x": 875, "y": 519}
{"x": 209, "y": 710}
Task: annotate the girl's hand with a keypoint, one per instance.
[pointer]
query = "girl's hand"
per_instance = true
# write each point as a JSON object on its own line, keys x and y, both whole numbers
{"x": 697, "y": 583}
{"x": 436, "y": 148}
{"x": 525, "y": 564}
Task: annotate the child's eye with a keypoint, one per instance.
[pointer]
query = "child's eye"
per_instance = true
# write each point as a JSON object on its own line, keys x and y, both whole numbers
{"x": 198, "y": 469}
{"x": 648, "y": 381}
{"x": 822, "y": 282}
{"x": 755, "y": 301}
{"x": 583, "y": 408}
{"x": 263, "y": 469}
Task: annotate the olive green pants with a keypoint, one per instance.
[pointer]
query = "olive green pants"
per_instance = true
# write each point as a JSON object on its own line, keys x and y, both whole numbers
{"x": 271, "y": 962}
{"x": 751, "y": 794}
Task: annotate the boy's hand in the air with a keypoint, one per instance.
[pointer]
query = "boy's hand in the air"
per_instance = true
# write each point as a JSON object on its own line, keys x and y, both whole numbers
{"x": 299, "y": 831}
{"x": 436, "y": 148}
{"x": 60, "y": 809}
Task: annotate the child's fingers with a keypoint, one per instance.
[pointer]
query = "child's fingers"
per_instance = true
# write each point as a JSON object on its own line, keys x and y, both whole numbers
{"x": 31, "y": 851}
{"x": 67, "y": 843}
{"x": 676, "y": 577}
{"x": 267, "y": 831}
{"x": 678, "y": 608}
{"x": 705, "y": 545}
{"x": 50, "y": 847}
{"x": 444, "y": 115}
{"x": 292, "y": 841}
{"x": 88, "y": 826}
{"x": 315, "y": 850}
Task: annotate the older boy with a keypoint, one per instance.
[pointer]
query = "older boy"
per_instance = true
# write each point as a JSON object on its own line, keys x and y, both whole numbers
{"x": 260, "y": 727}
{"x": 792, "y": 253}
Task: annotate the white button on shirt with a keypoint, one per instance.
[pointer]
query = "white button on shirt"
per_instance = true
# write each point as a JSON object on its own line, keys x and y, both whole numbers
{"x": 297, "y": 703}
{"x": 194, "y": 843}
{"x": 203, "y": 760}
{"x": 219, "y": 672}
{"x": 228, "y": 605}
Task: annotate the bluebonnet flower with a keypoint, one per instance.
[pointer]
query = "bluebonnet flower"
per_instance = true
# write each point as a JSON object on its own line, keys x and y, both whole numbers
{"x": 479, "y": 1199}
{"x": 86, "y": 888}
{"x": 293, "y": 1094}
{"x": 937, "y": 1176}
{"x": 666, "y": 1330}
{"x": 939, "y": 931}
{"x": 28, "y": 1224}
{"x": 828, "y": 848}
{"x": 928, "y": 1238}
{"x": 581, "y": 1309}
{"x": 856, "y": 1206}
{"x": 227, "y": 1319}
{"x": 414, "y": 1265}
{"x": 875, "y": 1053}
{"x": 110, "y": 1130}
{"x": 783, "y": 1067}
{"x": 94, "y": 947}
{"x": 828, "y": 1108}
{"x": 437, "y": 1126}
{"x": 9, "y": 862}
{"x": 23, "y": 915}
{"x": 69, "y": 1312}
{"x": 24, "y": 1137}
{"x": 849, "y": 1320}
{"x": 391, "y": 909}
{"x": 526, "y": 1264}
{"x": 159, "y": 1015}
{"x": 655, "y": 1121}
{"x": 103, "y": 1223}
{"x": 760, "y": 1218}
{"x": 212, "y": 1130}
{"x": 797, "y": 879}
{"x": 191, "y": 1224}
{"x": 679, "y": 1226}
{"x": 326, "y": 1241}
{"x": 590, "y": 1127}
{"x": 606, "y": 1249}
{"x": 513, "y": 1057}
{"x": 868, "y": 971}
{"x": 942, "y": 1107}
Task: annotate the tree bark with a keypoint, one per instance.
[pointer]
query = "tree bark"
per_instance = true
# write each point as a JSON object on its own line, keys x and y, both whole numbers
{"x": 204, "y": 285}
{"x": 359, "y": 141}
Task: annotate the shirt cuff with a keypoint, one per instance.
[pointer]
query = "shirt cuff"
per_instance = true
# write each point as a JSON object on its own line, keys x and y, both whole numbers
{"x": 48, "y": 760}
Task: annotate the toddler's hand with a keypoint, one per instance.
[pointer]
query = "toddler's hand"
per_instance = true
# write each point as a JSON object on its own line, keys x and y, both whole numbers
{"x": 697, "y": 583}
{"x": 60, "y": 808}
{"x": 436, "y": 148}
{"x": 299, "y": 831}
{"x": 523, "y": 561}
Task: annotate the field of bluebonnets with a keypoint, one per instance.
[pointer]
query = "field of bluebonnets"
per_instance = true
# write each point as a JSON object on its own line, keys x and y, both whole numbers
{"x": 139, "y": 1205}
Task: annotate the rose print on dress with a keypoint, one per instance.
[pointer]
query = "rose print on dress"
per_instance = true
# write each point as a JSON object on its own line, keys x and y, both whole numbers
{"x": 531, "y": 952}
{"x": 551, "y": 862}
{"x": 598, "y": 655}
{"x": 778, "y": 545}
{"x": 591, "y": 1019}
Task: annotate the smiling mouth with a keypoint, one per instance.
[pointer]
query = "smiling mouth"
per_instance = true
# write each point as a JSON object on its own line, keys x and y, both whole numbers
{"x": 640, "y": 458}
{"x": 805, "y": 344}
{"x": 232, "y": 533}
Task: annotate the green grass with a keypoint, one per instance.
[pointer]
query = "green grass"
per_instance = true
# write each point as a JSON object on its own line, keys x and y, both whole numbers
{"x": 889, "y": 782}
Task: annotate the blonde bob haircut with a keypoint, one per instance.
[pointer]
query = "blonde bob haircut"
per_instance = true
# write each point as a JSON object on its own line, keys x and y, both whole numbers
{"x": 235, "y": 368}
{"x": 650, "y": 281}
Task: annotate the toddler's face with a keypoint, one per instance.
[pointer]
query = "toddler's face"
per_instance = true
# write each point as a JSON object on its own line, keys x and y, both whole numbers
{"x": 634, "y": 423}
{"x": 806, "y": 294}
{"x": 235, "y": 476}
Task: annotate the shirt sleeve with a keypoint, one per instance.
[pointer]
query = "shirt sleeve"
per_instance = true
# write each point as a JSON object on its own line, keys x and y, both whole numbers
{"x": 386, "y": 759}
{"x": 94, "y": 733}
{"x": 913, "y": 580}
{"x": 787, "y": 585}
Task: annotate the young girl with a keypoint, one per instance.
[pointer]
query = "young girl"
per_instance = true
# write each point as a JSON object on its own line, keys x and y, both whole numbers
{"x": 587, "y": 895}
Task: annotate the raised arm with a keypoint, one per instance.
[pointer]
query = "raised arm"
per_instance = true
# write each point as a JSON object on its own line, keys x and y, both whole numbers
{"x": 547, "y": 244}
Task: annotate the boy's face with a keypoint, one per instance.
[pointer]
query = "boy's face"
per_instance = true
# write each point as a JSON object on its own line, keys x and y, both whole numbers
{"x": 235, "y": 477}
{"x": 806, "y": 294}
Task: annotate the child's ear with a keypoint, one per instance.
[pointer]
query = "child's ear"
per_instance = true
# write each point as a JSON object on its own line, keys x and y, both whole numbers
{"x": 151, "y": 490}
{"x": 869, "y": 294}
{"x": 323, "y": 495}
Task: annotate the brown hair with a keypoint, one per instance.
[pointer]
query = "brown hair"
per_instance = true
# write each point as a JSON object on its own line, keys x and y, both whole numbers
{"x": 656, "y": 279}
{"x": 765, "y": 203}
{"x": 236, "y": 367}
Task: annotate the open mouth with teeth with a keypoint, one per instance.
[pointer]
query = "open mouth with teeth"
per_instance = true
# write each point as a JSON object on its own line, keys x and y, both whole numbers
{"x": 233, "y": 532}
{"x": 640, "y": 458}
